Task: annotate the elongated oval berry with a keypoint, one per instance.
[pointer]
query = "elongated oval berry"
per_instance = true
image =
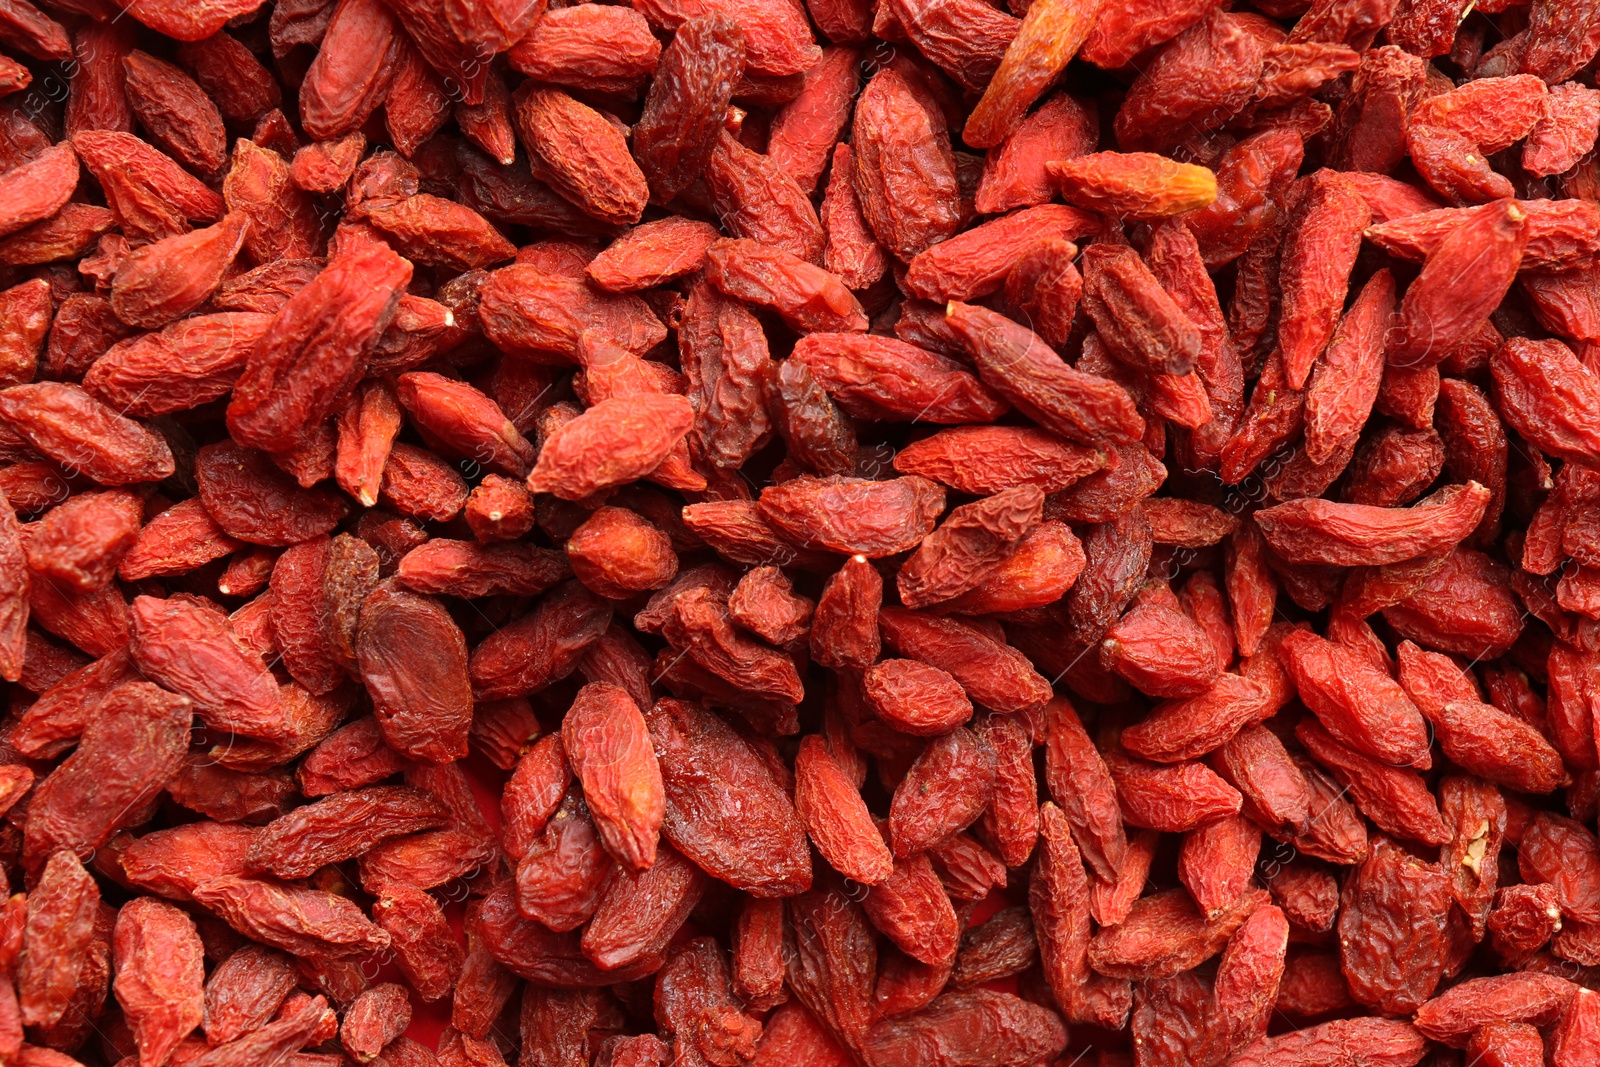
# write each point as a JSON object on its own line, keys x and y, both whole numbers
{"x": 413, "y": 661}
{"x": 614, "y": 442}
{"x": 905, "y": 173}
{"x": 82, "y": 434}
{"x": 582, "y": 155}
{"x": 607, "y": 743}
{"x": 317, "y": 349}
{"x": 836, "y": 818}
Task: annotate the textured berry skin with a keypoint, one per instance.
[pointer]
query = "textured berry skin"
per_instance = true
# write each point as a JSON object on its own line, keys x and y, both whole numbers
{"x": 743, "y": 533}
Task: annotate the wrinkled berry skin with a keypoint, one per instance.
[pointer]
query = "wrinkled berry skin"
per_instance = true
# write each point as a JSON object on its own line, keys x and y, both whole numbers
{"x": 854, "y": 533}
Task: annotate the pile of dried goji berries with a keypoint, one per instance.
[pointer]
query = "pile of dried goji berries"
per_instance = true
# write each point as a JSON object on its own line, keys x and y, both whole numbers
{"x": 864, "y": 533}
